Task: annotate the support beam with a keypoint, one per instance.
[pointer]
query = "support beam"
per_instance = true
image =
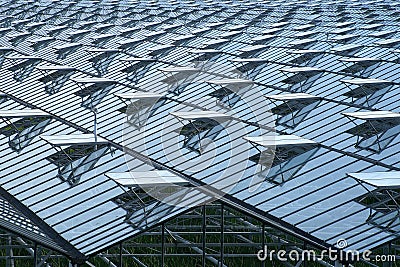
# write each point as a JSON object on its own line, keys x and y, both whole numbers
{"x": 162, "y": 245}
{"x": 263, "y": 242}
{"x": 141, "y": 264}
{"x": 221, "y": 258}
{"x": 107, "y": 261}
{"x": 203, "y": 238}
{"x": 196, "y": 249}
{"x": 10, "y": 254}
{"x": 31, "y": 251}
{"x": 35, "y": 255}
{"x": 121, "y": 262}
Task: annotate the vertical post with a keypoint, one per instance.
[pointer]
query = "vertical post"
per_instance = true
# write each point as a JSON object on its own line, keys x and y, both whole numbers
{"x": 162, "y": 245}
{"x": 121, "y": 263}
{"x": 263, "y": 243}
{"x": 203, "y": 239}
{"x": 221, "y": 257}
{"x": 35, "y": 255}
{"x": 9, "y": 251}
